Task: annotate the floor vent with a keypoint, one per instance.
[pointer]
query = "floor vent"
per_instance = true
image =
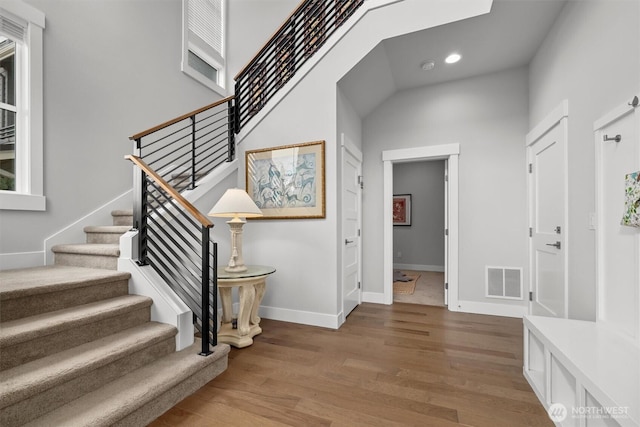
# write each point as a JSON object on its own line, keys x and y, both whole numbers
{"x": 504, "y": 282}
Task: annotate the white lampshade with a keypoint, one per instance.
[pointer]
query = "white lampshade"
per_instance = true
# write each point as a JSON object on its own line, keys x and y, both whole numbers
{"x": 235, "y": 203}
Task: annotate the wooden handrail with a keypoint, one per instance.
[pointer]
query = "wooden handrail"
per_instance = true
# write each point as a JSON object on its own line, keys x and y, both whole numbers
{"x": 172, "y": 191}
{"x": 182, "y": 117}
{"x": 271, "y": 39}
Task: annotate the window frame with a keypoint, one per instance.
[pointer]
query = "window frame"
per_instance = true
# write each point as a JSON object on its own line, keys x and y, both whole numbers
{"x": 192, "y": 43}
{"x": 29, "y": 192}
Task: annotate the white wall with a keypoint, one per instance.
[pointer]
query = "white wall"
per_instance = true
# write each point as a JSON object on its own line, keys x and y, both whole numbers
{"x": 591, "y": 57}
{"x": 305, "y": 286}
{"x": 488, "y": 117}
{"x": 111, "y": 69}
{"x": 348, "y": 120}
{"x": 422, "y": 243}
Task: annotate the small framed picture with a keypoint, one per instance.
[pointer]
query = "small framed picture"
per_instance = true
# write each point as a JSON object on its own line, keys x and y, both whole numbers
{"x": 402, "y": 209}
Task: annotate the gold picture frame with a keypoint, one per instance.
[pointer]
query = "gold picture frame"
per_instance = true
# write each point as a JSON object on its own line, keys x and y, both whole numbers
{"x": 287, "y": 182}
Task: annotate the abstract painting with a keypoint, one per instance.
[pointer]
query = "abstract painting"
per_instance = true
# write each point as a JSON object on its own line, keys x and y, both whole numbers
{"x": 287, "y": 182}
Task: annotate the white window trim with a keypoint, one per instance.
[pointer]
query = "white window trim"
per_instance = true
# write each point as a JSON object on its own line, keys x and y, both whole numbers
{"x": 187, "y": 46}
{"x": 30, "y": 193}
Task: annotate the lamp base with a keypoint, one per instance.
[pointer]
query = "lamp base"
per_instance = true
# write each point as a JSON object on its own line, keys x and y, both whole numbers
{"x": 235, "y": 268}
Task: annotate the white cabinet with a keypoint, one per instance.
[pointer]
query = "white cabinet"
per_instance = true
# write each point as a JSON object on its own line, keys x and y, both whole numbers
{"x": 593, "y": 372}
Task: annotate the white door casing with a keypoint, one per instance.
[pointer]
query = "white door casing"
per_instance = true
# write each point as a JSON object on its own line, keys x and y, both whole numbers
{"x": 548, "y": 214}
{"x": 450, "y": 153}
{"x": 617, "y": 246}
{"x": 351, "y": 226}
{"x": 446, "y": 232}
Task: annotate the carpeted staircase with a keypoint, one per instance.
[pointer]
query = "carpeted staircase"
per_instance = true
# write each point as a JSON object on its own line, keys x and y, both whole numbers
{"x": 77, "y": 350}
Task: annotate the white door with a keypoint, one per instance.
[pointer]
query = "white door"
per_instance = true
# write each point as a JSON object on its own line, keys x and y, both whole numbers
{"x": 618, "y": 245}
{"x": 351, "y": 226}
{"x": 548, "y": 216}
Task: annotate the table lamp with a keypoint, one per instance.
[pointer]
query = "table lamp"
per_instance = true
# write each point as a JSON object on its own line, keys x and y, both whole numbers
{"x": 235, "y": 204}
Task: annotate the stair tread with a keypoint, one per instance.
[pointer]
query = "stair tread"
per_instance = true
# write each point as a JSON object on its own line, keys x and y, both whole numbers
{"x": 104, "y": 249}
{"x": 39, "y": 280}
{"x": 39, "y": 375}
{"x": 28, "y": 328}
{"x": 115, "y": 400}
{"x": 115, "y": 229}
{"x": 122, "y": 212}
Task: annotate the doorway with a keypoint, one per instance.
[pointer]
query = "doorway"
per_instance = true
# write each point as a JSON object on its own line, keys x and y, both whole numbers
{"x": 450, "y": 153}
{"x": 419, "y": 240}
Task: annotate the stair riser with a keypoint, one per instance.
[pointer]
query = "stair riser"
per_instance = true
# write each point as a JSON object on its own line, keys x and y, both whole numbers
{"x": 19, "y": 308}
{"x": 88, "y": 261}
{"x": 76, "y": 334}
{"x": 123, "y": 220}
{"x": 103, "y": 237}
{"x": 38, "y": 405}
{"x": 151, "y": 410}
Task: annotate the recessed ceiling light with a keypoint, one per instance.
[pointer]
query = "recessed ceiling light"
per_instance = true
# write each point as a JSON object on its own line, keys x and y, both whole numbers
{"x": 428, "y": 65}
{"x": 453, "y": 58}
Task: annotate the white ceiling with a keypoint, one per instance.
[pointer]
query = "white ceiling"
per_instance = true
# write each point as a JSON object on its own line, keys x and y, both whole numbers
{"x": 507, "y": 37}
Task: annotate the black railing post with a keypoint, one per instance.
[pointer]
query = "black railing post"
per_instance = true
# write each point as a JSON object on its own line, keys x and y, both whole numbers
{"x": 141, "y": 213}
{"x": 238, "y": 105}
{"x": 231, "y": 150}
{"x": 138, "y": 179}
{"x": 193, "y": 152}
{"x": 214, "y": 295}
{"x": 206, "y": 318}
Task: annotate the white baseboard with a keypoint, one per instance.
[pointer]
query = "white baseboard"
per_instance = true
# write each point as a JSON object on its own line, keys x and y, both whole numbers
{"x": 419, "y": 267}
{"x": 373, "y": 297}
{"x": 74, "y": 232}
{"x": 303, "y": 317}
{"x": 491, "y": 309}
{"x": 21, "y": 260}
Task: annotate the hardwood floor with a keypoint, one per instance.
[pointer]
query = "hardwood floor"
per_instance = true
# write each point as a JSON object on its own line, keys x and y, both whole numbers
{"x": 395, "y": 365}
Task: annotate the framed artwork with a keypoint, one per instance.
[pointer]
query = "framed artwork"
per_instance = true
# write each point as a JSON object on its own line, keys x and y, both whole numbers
{"x": 287, "y": 182}
{"x": 631, "y": 215}
{"x": 402, "y": 209}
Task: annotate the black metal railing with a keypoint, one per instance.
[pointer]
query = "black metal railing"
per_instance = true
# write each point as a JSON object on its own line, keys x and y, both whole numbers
{"x": 173, "y": 236}
{"x": 187, "y": 148}
{"x": 174, "y": 239}
{"x": 302, "y": 34}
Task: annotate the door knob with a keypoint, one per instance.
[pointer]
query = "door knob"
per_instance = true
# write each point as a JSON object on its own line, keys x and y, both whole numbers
{"x": 556, "y": 245}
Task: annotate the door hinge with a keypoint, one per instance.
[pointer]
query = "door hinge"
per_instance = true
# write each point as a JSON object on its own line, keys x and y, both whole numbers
{"x": 361, "y": 181}
{"x": 530, "y": 231}
{"x": 446, "y": 231}
{"x": 446, "y": 286}
{"x": 358, "y": 232}
{"x": 530, "y": 167}
{"x": 358, "y": 285}
{"x": 446, "y": 178}
{"x": 530, "y": 296}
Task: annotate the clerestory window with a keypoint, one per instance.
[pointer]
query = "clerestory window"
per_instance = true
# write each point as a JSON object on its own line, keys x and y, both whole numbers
{"x": 203, "y": 42}
{"x": 21, "y": 159}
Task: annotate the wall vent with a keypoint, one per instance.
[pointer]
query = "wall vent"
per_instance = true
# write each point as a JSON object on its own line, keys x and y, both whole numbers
{"x": 504, "y": 282}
